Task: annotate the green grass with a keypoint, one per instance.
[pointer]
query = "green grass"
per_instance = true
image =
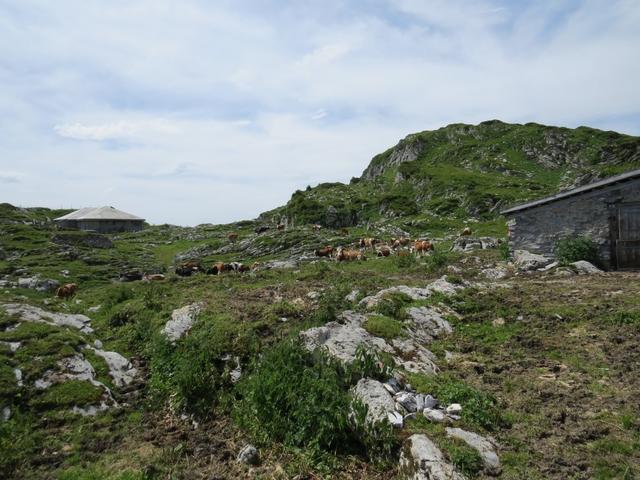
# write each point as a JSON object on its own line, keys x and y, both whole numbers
{"x": 384, "y": 327}
{"x": 68, "y": 394}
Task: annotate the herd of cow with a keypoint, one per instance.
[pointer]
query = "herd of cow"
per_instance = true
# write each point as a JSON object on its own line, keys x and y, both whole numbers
{"x": 399, "y": 246}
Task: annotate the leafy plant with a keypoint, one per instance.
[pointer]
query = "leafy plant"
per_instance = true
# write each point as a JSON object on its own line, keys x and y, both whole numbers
{"x": 573, "y": 249}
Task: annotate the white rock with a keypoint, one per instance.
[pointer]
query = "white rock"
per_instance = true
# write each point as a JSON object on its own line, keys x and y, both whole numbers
{"x": 236, "y": 373}
{"x": 30, "y": 313}
{"x": 6, "y": 413}
{"x": 525, "y": 260}
{"x": 342, "y": 340}
{"x": 89, "y": 410}
{"x": 494, "y": 273}
{"x": 420, "y": 402}
{"x": 423, "y": 460}
{"x": 97, "y": 344}
{"x": 434, "y": 415}
{"x": 249, "y": 455}
{"x": 182, "y": 319}
{"x": 582, "y": 266}
{"x": 94, "y": 309}
{"x": 485, "y": 448}
{"x": 454, "y": 409}
{"x": 120, "y": 369}
{"x": 395, "y": 419}
{"x": 427, "y": 323}
{"x": 352, "y": 296}
{"x": 430, "y": 401}
{"x": 13, "y": 346}
{"x": 18, "y": 373}
{"x": 373, "y": 394}
{"x": 407, "y": 400}
{"x": 441, "y": 285}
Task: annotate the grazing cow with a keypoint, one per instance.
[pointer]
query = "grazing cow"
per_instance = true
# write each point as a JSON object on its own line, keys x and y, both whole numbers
{"x": 368, "y": 243}
{"x": 383, "y": 251}
{"x": 131, "y": 276}
{"x": 261, "y": 229}
{"x": 466, "y": 232}
{"x": 343, "y": 255}
{"x": 232, "y": 237}
{"x": 219, "y": 268}
{"x": 244, "y": 268}
{"x": 421, "y": 247}
{"x": 153, "y": 277}
{"x": 400, "y": 242}
{"x": 67, "y": 291}
{"x": 317, "y": 227}
{"x": 188, "y": 268}
{"x": 324, "y": 252}
{"x": 280, "y": 226}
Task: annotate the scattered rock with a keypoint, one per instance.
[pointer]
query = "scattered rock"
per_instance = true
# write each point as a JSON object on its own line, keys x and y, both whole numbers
{"x": 249, "y": 455}
{"x": 427, "y": 323}
{"x": 6, "y": 413}
{"x": 437, "y": 416}
{"x": 498, "y": 322}
{"x": 422, "y": 460}
{"x": 408, "y": 401}
{"x": 182, "y": 319}
{"x": 485, "y": 448}
{"x": 353, "y": 296}
{"x": 90, "y": 410}
{"x": 18, "y": 373}
{"x": 525, "y": 260}
{"x": 454, "y": 409}
{"x": 441, "y": 285}
{"x": 430, "y": 402}
{"x": 120, "y": 369}
{"x": 94, "y": 309}
{"x": 582, "y": 266}
{"x": 395, "y": 419}
{"x": 280, "y": 264}
{"x": 30, "y": 313}
{"x": 373, "y": 394}
{"x": 497, "y": 273}
{"x": 13, "y": 346}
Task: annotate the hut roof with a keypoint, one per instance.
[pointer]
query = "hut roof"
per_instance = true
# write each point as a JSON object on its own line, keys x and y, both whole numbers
{"x": 633, "y": 174}
{"x": 100, "y": 213}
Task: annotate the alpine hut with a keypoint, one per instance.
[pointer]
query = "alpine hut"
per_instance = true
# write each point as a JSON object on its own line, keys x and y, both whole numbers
{"x": 607, "y": 212}
{"x": 102, "y": 220}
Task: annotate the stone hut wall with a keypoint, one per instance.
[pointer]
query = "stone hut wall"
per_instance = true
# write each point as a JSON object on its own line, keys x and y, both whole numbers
{"x": 590, "y": 214}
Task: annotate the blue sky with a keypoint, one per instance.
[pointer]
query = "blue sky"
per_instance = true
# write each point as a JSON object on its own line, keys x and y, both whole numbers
{"x": 200, "y": 111}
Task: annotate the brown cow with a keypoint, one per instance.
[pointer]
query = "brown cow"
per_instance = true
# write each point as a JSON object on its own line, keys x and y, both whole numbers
{"x": 232, "y": 237}
{"x": 383, "y": 251}
{"x": 67, "y": 291}
{"x": 420, "y": 247}
{"x": 368, "y": 243}
{"x": 324, "y": 251}
{"x": 218, "y": 268}
{"x": 349, "y": 255}
{"x": 466, "y": 232}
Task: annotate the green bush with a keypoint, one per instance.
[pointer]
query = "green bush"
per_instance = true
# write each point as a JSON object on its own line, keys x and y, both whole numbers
{"x": 573, "y": 249}
{"x": 393, "y": 304}
{"x": 301, "y": 399}
{"x": 194, "y": 372}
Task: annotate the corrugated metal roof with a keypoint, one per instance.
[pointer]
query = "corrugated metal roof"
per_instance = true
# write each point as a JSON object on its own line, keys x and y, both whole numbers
{"x": 101, "y": 213}
{"x": 576, "y": 191}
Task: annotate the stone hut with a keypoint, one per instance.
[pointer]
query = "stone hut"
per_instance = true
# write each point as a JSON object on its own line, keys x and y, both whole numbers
{"x": 101, "y": 220}
{"x": 607, "y": 212}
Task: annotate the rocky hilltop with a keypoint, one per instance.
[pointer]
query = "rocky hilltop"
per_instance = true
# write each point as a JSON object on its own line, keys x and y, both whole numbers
{"x": 462, "y": 171}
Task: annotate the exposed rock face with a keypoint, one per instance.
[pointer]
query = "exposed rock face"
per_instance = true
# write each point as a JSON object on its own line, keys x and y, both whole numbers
{"x": 441, "y": 285}
{"x": 422, "y": 460}
{"x": 427, "y": 323}
{"x": 497, "y": 273}
{"x": 92, "y": 240}
{"x": 373, "y": 394}
{"x": 120, "y": 369}
{"x": 525, "y": 260}
{"x": 38, "y": 284}
{"x": 467, "y": 244}
{"x": 182, "y": 319}
{"x": 29, "y": 313}
{"x": 407, "y": 150}
{"x": 342, "y": 340}
{"x": 485, "y": 448}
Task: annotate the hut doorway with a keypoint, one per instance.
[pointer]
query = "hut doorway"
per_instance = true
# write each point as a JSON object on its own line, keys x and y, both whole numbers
{"x": 628, "y": 241}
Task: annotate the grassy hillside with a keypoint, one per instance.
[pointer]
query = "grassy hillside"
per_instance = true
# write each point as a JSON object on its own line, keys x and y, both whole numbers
{"x": 439, "y": 179}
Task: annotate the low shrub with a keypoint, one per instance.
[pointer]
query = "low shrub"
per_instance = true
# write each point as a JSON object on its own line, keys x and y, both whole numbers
{"x": 369, "y": 364}
{"x": 393, "y": 304}
{"x": 384, "y": 327}
{"x": 301, "y": 399}
{"x": 573, "y": 249}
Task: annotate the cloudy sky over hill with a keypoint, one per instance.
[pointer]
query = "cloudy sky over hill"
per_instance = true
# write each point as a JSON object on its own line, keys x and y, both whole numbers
{"x": 200, "y": 111}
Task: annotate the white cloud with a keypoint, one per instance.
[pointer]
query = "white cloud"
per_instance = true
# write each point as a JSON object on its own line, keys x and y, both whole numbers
{"x": 116, "y": 130}
{"x": 203, "y": 111}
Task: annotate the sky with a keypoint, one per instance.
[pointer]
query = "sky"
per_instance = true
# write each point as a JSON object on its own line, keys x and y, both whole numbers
{"x": 194, "y": 111}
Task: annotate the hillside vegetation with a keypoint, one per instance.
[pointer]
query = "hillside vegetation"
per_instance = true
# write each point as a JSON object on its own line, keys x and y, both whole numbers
{"x": 177, "y": 377}
{"x": 437, "y": 179}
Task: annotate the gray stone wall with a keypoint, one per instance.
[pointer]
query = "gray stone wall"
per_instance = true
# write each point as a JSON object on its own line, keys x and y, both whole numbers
{"x": 104, "y": 226}
{"x": 588, "y": 215}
